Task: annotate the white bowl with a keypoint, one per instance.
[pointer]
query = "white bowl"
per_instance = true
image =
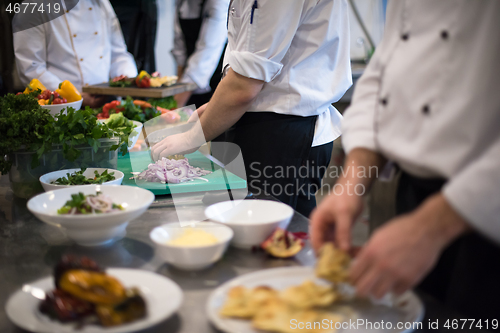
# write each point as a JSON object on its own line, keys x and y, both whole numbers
{"x": 251, "y": 220}
{"x": 92, "y": 229}
{"x": 132, "y": 139}
{"x": 190, "y": 257}
{"x": 48, "y": 178}
{"x": 54, "y": 109}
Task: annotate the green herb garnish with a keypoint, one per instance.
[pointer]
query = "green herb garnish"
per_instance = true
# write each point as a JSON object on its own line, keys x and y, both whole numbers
{"x": 80, "y": 205}
{"x": 77, "y": 178}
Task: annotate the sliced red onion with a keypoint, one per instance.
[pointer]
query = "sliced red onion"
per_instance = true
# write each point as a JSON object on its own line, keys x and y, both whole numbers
{"x": 172, "y": 171}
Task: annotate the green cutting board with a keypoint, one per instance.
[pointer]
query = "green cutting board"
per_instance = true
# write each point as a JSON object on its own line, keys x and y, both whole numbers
{"x": 219, "y": 179}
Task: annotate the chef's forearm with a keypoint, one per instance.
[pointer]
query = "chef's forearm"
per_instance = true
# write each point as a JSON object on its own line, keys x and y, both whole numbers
{"x": 359, "y": 166}
{"x": 231, "y": 100}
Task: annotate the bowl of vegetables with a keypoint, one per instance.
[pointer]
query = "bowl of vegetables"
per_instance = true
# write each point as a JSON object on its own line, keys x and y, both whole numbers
{"x": 117, "y": 122}
{"x": 56, "y": 101}
{"x": 92, "y": 215}
{"x": 77, "y": 177}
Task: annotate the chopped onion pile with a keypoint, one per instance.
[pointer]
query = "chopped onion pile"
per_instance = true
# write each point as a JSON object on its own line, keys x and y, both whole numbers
{"x": 172, "y": 171}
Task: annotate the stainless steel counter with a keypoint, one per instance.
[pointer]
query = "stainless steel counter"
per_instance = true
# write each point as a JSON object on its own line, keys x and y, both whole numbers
{"x": 29, "y": 249}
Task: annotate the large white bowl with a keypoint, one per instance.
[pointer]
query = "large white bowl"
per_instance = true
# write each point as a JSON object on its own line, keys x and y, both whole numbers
{"x": 132, "y": 139}
{"x": 54, "y": 109}
{"x": 48, "y": 178}
{"x": 251, "y": 220}
{"x": 92, "y": 229}
{"x": 193, "y": 257}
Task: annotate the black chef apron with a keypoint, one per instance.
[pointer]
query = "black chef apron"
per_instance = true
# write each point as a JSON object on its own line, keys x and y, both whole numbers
{"x": 278, "y": 156}
{"x": 191, "y": 30}
{"x": 138, "y": 20}
{"x": 467, "y": 276}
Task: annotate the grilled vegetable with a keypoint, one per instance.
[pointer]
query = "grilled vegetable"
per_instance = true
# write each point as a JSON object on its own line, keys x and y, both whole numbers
{"x": 93, "y": 287}
{"x": 132, "y": 308}
{"x": 283, "y": 244}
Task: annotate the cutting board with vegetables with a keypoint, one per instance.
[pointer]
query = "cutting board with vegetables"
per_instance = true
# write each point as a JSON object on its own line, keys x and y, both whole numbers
{"x": 105, "y": 89}
{"x": 219, "y": 179}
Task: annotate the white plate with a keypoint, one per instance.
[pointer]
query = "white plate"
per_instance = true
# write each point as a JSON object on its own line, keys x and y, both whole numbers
{"x": 407, "y": 307}
{"x": 163, "y": 298}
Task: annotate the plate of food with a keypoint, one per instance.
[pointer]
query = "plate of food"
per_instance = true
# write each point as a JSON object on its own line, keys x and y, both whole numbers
{"x": 307, "y": 299}
{"x": 77, "y": 177}
{"x": 81, "y": 296}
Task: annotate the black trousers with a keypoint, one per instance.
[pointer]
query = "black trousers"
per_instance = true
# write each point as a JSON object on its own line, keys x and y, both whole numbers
{"x": 138, "y": 20}
{"x": 278, "y": 157}
{"x": 467, "y": 276}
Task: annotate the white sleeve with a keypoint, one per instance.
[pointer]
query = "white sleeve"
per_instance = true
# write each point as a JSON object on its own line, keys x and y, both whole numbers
{"x": 358, "y": 123}
{"x": 179, "y": 50}
{"x": 31, "y": 57}
{"x": 122, "y": 62}
{"x": 473, "y": 192}
{"x": 210, "y": 44}
{"x": 359, "y": 119}
{"x": 261, "y": 37}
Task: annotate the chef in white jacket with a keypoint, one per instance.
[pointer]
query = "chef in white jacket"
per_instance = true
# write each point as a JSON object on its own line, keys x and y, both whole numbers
{"x": 286, "y": 62}
{"x": 200, "y": 34}
{"x": 84, "y": 46}
{"x": 429, "y": 103}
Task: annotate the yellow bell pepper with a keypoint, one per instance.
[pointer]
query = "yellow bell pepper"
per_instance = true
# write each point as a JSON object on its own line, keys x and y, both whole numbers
{"x": 34, "y": 85}
{"x": 42, "y": 101}
{"x": 143, "y": 74}
{"x": 67, "y": 90}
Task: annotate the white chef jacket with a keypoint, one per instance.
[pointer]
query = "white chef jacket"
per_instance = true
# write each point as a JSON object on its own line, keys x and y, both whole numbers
{"x": 429, "y": 100}
{"x": 300, "y": 49}
{"x": 201, "y": 65}
{"x": 84, "y": 46}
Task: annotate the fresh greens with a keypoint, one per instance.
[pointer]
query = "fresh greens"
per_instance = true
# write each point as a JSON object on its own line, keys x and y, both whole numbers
{"x": 122, "y": 127}
{"x": 77, "y": 178}
{"x": 89, "y": 204}
{"x": 25, "y": 124}
{"x": 166, "y": 102}
{"x": 134, "y": 112}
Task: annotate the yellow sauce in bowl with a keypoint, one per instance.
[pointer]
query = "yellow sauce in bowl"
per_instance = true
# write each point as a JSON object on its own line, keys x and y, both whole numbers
{"x": 194, "y": 237}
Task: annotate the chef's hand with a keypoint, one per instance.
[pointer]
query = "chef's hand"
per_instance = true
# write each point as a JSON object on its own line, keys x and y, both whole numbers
{"x": 334, "y": 217}
{"x": 332, "y": 220}
{"x": 94, "y": 101}
{"x": 181, "y": 143}
{"x": 401, "y": 253}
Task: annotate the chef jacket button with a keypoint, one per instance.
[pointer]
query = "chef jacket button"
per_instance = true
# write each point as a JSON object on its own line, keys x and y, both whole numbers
{"x": 444, "y": 34}
{"x": 426, "y": 109}
{"x": 383, "y": 101}
{"x": 405, "y": 36}
{"x": 95, "y": 33}
{"x": 74, "y": 36}
{"x": 90, "y": 8}
{"x": 100, "y": 57}
{"x": 81, "y": 59}
{"x": 67, "y": 11}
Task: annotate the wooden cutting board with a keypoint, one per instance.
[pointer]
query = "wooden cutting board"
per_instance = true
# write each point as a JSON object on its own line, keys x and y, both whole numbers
{"x": 105, "y": 89}
{"x": 219, "y": 179}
